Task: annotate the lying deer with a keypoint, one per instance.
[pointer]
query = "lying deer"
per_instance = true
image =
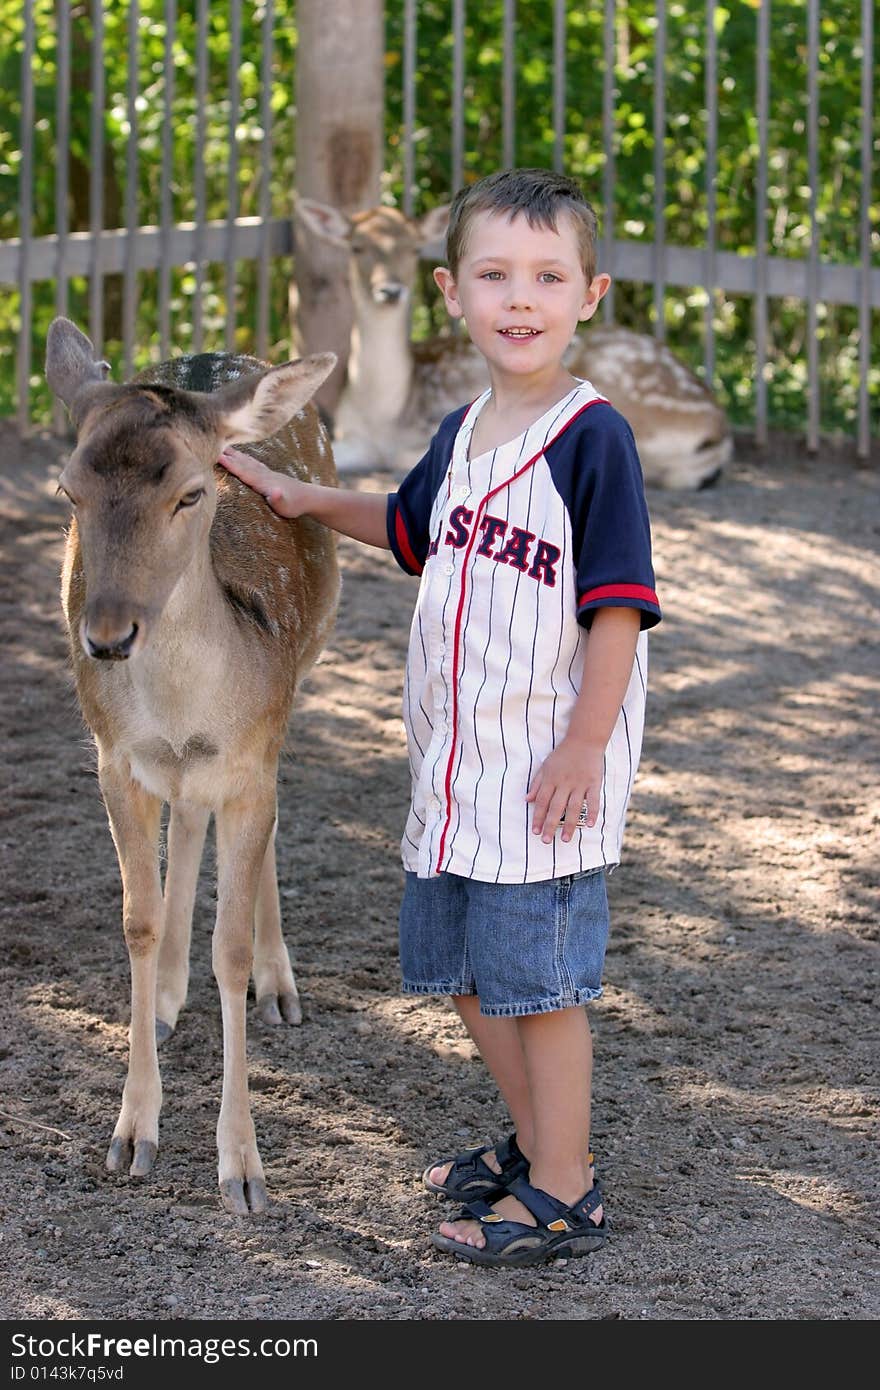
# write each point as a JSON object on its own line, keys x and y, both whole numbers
{"x": 193, "y": 612}
{"x": 398, "y": 391}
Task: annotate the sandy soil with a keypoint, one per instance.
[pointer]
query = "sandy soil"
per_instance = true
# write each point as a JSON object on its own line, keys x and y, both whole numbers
{"x": 736, "y": 1053}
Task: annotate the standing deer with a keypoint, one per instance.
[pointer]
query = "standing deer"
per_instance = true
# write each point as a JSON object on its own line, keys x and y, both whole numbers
{"x": 193, "y": 611}
{"x": 398, "y": 391}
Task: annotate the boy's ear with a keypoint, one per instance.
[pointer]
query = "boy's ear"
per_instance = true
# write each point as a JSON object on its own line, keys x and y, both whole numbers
{"x": 596, "y": 291}
{"x": 445, "y": 283}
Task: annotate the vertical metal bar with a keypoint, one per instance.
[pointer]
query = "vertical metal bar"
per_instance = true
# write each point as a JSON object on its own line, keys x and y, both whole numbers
{"x": 129, "y": 282}
{"x": 96, "y": 181}
{"x": 409, "y": 105}
{"x": 232, "y": 185}
{"x": 660, "y": 173}
{"x": 457, "y": 94}
{"x": 62, "y": 144}
{"x": 165, "y": 195}
{"x": 813, "y": 261}
{"x": 711, "y": 187}
{"x": 26, "y": 211}
{"x": 863, "y": 443}
{"x": 508, "y": 120}
{"x": 265, "y": 180}
{"x": 559, "y": 85}
{"x": 609, "y": 172}
{"x": 199, "y": 171}
{"x": 763, "y": 103}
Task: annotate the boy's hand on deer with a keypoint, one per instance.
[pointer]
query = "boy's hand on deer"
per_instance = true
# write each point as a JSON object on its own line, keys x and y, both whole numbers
{"x": 568, "y": 780}
{"x": 287, "y": 496}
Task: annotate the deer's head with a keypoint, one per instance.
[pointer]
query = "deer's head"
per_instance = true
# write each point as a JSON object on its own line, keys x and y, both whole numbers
{"x": 141, "y": 477}
{"x": 382, "y": 244}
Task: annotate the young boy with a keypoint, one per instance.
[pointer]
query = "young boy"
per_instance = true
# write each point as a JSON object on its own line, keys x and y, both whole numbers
{"x": 523, "y": 701}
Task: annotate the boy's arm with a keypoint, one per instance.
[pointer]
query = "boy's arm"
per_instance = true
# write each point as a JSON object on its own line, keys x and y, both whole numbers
{"x": 361, "y": 515}
{"x": 572, "y": 773}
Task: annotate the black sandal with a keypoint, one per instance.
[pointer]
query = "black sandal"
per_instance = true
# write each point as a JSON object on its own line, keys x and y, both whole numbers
{"x": 561, "y": 1230}
{"x": 471, "y": 1177}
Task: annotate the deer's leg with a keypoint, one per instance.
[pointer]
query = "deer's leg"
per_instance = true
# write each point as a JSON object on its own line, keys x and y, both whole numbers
{"x": 244, "y": 827}
{"x": 134, "y": 821}
{"x": 187, "y": 826}
{"x": 275, "y": 986}
{"x": 354, "y": 453}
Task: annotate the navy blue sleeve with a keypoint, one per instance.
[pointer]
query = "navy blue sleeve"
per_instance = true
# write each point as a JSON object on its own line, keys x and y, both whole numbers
{"x": 597, "y": 471}
{"x": 409, "y": 509}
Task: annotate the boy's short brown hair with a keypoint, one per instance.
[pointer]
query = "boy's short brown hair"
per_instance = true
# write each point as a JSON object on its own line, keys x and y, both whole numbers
{"x": 539, "y": 193}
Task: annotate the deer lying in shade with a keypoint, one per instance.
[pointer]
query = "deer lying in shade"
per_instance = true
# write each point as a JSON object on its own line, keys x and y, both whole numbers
{"x": 398, "y": 391}
{"x": 193, "y": 612}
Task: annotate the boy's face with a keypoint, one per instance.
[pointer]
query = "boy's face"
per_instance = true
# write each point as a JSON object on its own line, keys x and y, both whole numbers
{"x": 522, "y": 290}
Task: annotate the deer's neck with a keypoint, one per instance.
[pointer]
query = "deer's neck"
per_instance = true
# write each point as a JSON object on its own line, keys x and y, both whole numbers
{"x": 187, "y": 651}
{"x": 380, "y": 363}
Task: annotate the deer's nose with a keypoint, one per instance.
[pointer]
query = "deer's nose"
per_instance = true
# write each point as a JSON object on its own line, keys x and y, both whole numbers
{"x": 108, "y": 634}
{"x": 389, "y": 293}
{"x": 118, "y": 650}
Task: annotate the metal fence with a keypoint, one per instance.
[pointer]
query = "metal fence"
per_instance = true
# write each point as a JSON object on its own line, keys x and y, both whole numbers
{"x": 133, "y": 247}
{"x": 169, "y": 246}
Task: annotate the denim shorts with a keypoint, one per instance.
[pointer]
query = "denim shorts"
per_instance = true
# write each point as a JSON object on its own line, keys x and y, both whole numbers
{"x": 522, "y": 948}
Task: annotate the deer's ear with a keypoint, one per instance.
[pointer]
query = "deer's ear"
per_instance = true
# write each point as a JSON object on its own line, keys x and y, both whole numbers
{"x": 71, "y": 363}
{"x": 432, "y": 227}
{"x": 255, "y": 407}
{"x": 324, "y": 221}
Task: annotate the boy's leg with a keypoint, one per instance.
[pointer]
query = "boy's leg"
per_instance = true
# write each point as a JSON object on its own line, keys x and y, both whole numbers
{"x": 500, "y": 1046}
{"x": 558, "y": 1060}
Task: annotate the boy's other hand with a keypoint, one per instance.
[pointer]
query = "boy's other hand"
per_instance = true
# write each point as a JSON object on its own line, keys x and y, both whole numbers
{"x": 286, "y": 496}
{"x": 567, "y": 781}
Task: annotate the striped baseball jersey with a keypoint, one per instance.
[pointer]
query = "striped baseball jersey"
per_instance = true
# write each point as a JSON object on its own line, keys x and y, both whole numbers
{"x": 516, "y": 549}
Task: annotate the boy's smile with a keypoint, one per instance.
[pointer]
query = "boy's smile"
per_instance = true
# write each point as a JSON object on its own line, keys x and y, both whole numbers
{"x": 522, "y": 291}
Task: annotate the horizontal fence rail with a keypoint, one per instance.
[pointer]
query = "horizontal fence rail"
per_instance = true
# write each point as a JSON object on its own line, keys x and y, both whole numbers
{"x": 197, "y": 258}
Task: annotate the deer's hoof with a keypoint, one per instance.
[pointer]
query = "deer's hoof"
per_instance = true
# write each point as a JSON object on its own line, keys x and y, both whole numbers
{"x": 118, "y": 1155}
{"x": 268, "y": 1011}
{"x": 144, "y": 1157}
{"x": 163, "y": 1031}
{"x": 138, "y": 1159}
{"x": 275, "y": 1009}
{"x": 244, "y": 1198}
{"x": 290, "y": 1008}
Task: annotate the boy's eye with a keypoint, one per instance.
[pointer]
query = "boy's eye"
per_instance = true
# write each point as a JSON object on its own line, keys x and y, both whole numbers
{"x": 491, "y": 275}
{"x": 549, "y": 278}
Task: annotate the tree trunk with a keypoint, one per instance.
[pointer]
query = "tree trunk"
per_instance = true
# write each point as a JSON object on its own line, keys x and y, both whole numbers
{"x": 339, "y": 157}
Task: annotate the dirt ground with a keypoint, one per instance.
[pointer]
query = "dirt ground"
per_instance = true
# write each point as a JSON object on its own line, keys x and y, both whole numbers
{"x": 736, "y": 1055}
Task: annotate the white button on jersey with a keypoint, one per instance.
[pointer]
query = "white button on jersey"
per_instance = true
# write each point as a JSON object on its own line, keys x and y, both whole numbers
{"x": 449, "y": 569}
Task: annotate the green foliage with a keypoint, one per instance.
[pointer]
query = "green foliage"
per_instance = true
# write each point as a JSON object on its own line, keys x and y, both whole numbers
{"x": 686, "y": 219}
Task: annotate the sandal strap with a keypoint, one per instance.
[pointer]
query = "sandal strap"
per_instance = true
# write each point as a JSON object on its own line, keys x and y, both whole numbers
{"x": 549, "y": 1211}
{"x": 470, "y": 1164}
{"x": 509, "y": 1154}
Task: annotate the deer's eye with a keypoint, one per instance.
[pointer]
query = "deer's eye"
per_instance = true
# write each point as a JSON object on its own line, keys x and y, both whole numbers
{"x": 189, "y": 499}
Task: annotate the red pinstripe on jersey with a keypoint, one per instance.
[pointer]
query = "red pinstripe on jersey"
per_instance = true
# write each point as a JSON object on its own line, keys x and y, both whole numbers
{"x": 447, "y": 781}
